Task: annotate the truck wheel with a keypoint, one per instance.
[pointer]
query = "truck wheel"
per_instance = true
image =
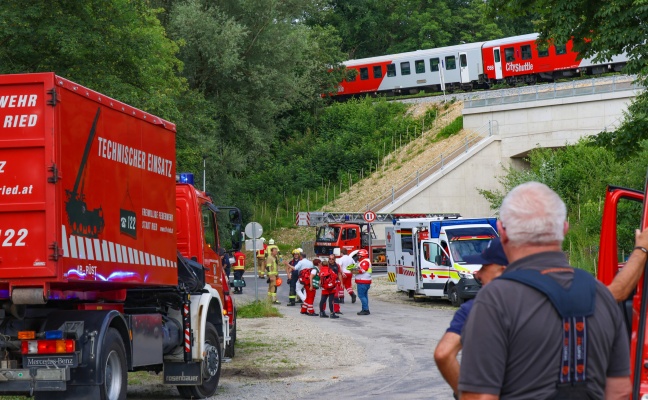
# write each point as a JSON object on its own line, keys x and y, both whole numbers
{"x": 113, "y": 365}
{"x": 230, "y": 351}
{"x": 211, "y": 368}
{"x": 454, "y": 297}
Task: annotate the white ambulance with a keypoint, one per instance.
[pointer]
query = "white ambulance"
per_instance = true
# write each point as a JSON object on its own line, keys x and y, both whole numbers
{"x": 426, "y": 255}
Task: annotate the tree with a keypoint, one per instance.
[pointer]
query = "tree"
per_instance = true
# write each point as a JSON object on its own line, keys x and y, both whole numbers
{"x": 257, "y": 64}
{"x": 116, "y": 47}
{"x": 599, "y": 29}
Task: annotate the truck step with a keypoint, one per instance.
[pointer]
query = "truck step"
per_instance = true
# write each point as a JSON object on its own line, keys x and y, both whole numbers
{"x": 226, "y": 360}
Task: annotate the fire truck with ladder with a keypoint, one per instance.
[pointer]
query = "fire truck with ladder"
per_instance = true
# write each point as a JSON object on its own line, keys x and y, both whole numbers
{"x": 353, "y": 231}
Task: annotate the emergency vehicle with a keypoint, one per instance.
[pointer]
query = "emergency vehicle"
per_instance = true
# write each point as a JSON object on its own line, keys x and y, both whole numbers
{"x": 426, "y": 255}
{"x": 352, "y": 231}
{"x": 621, "y": 204}
{"x": 109, "y": 262}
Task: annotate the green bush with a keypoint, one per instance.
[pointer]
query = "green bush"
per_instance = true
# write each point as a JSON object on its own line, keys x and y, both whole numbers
{"x": 257, "y": 309}
{"x": 451, "y": 129}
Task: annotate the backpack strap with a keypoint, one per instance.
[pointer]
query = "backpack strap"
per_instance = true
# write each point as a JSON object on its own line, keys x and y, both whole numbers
{"x": 574, "y": 305}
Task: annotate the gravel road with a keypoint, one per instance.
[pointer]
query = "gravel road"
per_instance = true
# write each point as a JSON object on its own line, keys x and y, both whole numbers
{"x": 385, "y": 355}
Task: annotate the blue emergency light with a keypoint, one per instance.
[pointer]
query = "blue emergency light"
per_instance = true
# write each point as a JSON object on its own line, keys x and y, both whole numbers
{"x": 53, "y": 335}
{"x": 435, "y": 226}
{"x": 185, "y": 177}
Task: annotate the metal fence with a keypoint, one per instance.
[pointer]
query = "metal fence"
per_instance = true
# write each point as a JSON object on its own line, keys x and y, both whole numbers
{"x": 608, "y": 84}
{"x": 413, "y": 180}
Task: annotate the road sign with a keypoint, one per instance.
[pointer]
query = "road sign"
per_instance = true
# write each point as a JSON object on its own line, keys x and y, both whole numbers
{"x": 253, "y": 230}
{"x": 369, "y": 216}
{"x": 303, "y": 219}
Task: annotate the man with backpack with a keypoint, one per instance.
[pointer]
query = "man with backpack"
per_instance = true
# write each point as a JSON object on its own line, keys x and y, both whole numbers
{"x": 330, "y": 278}
{"x": 557, "y": 335}
{"x": 309, "y": 277}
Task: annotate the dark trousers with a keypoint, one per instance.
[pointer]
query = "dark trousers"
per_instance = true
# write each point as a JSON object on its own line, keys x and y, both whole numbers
{"x": 292, "y": 283}
{"x": 323, "y": 299}
{"x": 238, "y": 275}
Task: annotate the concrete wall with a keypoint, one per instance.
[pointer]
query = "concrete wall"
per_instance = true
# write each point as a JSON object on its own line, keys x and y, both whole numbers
{"x": 550, "y": 123}
{"x": 454, "y": 189}
{"x": 517, "y": 128}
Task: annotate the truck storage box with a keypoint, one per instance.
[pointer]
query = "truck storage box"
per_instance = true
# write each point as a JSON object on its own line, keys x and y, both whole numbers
{"x": 87, "y": 192}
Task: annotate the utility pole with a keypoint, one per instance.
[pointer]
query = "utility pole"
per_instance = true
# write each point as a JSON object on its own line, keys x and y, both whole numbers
{"x": 204, "y": 172}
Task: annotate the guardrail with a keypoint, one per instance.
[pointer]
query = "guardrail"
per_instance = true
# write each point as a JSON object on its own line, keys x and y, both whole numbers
{"x": 608, "y": 84}
{"x": 436, "y": 164}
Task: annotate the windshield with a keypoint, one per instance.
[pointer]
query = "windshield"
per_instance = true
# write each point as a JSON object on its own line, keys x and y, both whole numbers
{"x": 461, "y": 248}
{"x": 327, "y": 234}
{"x": 467, "y": 241}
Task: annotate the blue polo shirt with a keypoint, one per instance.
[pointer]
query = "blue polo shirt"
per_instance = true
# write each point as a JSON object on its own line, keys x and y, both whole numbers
{"x": 460, "y": 317}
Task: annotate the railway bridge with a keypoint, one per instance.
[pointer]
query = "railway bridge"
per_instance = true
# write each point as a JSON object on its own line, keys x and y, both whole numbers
{"x": 511, "y": 123}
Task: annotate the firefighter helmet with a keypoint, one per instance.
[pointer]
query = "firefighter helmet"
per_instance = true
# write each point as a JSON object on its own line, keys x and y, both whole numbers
{"x": 278, "y": 282}
{"x": 271, "y": 242}
{"x": 296, "y": 251}
{"x": 362, "y": 254}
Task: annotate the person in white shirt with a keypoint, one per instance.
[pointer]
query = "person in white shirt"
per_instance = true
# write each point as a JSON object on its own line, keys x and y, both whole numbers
{"x": 344, "y": 261}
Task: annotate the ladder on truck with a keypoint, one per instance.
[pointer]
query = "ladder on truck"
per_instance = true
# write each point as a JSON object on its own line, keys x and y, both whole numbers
{"x": 317, "y": 218}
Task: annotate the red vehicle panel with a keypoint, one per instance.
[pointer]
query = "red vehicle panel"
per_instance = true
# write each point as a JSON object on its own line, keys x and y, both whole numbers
{"x": 359, "y": 85}
{"x": 84, "y": 201}
{"x": 527, "y": 62}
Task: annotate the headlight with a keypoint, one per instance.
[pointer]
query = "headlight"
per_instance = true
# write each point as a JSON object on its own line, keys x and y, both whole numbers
{"x": 465, "y": 275}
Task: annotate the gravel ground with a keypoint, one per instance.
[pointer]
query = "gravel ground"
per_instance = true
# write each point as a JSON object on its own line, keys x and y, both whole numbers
{"x": 283, "y": 358}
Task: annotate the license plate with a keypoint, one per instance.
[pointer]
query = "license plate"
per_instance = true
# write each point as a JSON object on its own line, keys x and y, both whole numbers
{"x": 50, "y": 361}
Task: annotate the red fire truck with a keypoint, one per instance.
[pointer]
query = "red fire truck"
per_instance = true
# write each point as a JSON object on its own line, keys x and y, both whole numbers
{"x": 107, "y": 264}
{"x": 354, "y": 231}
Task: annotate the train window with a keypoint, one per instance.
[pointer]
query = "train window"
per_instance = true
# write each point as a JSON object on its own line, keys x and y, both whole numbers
{"x": 391, "y": 69}
{"x": 509, "y": 54}
{"x": 450, "y": 63}
{"x": 377, "y": 71}
{"x": 561, "y": 49}
{"x": 543, "y": 53}
{"x": 405, "y": 68}
{"x": 463, "y": 62}
{"x": 526, "y": 52}
{"x": 419, "y": 65}
{"x": 364, "y": 74}
{"x": 434, "y": 64}
{"x": 496, "y": 55}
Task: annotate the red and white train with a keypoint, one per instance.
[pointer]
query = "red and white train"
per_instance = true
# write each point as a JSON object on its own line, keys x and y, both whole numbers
{"x": 510, "y": 60}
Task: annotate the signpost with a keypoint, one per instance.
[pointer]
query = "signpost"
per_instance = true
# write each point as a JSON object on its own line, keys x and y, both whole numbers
{"x": 254, "y": 230}
{"x": 369, "y": 216}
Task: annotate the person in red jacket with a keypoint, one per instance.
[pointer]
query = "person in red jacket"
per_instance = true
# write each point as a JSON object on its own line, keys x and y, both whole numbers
{"x": 307, "y": 306}
{"x": 363, "y": 280}
{"x": 330, "y": 294}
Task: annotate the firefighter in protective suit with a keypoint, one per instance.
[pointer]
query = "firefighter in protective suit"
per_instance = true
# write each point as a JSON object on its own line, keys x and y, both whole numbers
{"x": 273, "y": 272}
{"x": 239, "y": 269}
{"x": 261, "y": 259}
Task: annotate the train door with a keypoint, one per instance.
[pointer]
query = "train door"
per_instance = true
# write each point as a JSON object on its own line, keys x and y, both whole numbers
{"x": 463, "y": 67}
{"x": 497, "y": 57}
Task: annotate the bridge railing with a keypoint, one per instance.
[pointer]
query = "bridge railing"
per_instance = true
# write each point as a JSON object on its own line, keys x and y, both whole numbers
{"x": 554, "y": 90}
{"x": 436, "y": 164}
